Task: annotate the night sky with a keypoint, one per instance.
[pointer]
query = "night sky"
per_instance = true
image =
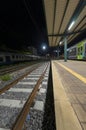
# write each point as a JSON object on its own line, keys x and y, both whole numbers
{"x": 22, "y": 24}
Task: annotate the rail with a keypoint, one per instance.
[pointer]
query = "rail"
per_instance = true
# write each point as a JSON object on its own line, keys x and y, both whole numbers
{"x": 22, "y": 116}
{"x": 2, "y": 90}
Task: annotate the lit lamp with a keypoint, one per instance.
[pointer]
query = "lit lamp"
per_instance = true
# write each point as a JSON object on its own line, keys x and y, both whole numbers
{"x": 44, "y": 47}
{"x": 71, "y": 25}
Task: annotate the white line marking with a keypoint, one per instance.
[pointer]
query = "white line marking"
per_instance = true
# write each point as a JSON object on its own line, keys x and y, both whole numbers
{"x": 4, "y": 129}
{"x": 39, "y": 105}
{"x": 11, "y": 103}
{"x": 42, "y": 90}
{"x": 28, "y": 83}
{"x": 36, "y": 73}
{"x": 20, "y": 90}
{"x": 46, "y": 75}
{"x": 31, "y": 78}
{"x": 33, "y": 75}
{"x": 44, "y": 83}
{"x": 45, "y": 78}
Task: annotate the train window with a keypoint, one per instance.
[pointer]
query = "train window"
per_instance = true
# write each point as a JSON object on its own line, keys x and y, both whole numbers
{"x": 81, "y": 48}
{"x": 78, "y": 51}
{"x": 1, "y": 59}
{"x": 74, "y": 51}
{"x": 7, "y": 58}
{"x": 85, "y": 47}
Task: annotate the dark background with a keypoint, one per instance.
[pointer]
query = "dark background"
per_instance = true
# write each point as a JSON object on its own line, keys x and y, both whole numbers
{"x": 22, "y": 24}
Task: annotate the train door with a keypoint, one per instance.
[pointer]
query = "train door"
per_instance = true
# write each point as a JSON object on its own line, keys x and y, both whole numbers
{"x": 80, "y": 53}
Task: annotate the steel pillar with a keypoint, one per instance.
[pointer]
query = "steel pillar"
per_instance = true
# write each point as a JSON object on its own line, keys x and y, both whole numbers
{"x": 65, "y": 49}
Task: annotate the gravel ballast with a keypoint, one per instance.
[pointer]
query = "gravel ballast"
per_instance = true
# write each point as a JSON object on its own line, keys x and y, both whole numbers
{"x": 11, "y": 102}
{"x": 42, "y": 120}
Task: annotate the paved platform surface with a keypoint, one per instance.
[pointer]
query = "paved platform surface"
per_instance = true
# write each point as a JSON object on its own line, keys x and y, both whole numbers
{"x": 69, "y": 84}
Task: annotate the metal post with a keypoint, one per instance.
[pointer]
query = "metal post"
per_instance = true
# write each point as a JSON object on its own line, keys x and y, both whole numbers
{"x": 65, "y": 49}
{"x": 58, "y": 52}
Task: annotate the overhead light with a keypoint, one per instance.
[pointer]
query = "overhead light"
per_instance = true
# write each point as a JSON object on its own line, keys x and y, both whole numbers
{"x": 60, "y": 42}
{"x": 71, "y": 25}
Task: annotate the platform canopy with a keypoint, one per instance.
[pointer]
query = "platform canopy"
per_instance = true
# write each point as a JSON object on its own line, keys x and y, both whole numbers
{"x": 64, "y": 17}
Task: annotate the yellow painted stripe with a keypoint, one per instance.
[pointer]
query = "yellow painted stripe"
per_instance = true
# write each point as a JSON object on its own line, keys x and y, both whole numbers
{"x": 83, "y": 79}
{"x": 65, "y": 116}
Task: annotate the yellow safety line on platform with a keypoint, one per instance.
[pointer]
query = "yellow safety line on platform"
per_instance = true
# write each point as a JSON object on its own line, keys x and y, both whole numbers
{"x": 65, "y": 116}
{"x": 83, "y": 79}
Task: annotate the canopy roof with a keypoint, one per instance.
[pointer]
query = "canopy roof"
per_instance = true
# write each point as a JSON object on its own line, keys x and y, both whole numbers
{"x": 60, "y": 14}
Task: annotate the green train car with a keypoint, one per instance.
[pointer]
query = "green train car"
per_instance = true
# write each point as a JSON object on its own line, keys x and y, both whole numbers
{"x": 77, "y": 51}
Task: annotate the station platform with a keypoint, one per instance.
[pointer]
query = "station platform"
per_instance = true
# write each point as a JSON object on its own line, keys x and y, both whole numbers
{"x": 69, "y": 87}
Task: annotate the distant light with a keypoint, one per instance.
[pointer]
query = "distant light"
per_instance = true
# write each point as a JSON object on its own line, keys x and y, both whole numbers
{"x": 55, "y": 51}
{"x": 44, "y": 47}
{"x": 71, "y": 25}
{"x": 60, "y": 43}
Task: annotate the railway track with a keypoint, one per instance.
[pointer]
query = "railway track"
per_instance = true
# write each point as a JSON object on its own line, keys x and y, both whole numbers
{"x": 15, "y": 102}
{"x": 11, "y": 69}
{"x": 17, "y": 76}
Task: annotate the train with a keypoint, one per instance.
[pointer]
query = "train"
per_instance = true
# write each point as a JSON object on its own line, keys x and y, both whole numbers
{"x": 77, "y": 51}
{"x": 8, "y": 57}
